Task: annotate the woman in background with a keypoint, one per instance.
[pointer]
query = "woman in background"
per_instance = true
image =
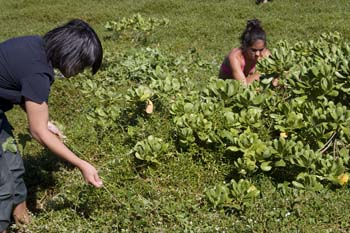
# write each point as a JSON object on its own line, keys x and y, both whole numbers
{"x": 240, "y": 63}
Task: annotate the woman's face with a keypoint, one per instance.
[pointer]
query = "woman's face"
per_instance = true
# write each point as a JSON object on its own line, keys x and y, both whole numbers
{"x": 255, "y": 51}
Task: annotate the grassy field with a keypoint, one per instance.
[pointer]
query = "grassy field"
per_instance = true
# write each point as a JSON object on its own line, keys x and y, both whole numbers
{"x": 212, "y": 27}
{"x": 169, "y": 197}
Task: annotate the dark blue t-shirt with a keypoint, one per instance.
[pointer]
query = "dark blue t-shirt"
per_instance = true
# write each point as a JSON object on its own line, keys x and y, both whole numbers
{"x": 24, "y": 71}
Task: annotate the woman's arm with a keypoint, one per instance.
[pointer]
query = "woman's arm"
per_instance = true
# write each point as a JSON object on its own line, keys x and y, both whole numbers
{"x": 237, "y": 73}
{"x": 38, "y": 115}
{"x": 235, "y": 64}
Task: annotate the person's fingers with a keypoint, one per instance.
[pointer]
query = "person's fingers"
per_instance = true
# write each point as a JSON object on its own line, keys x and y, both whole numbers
{"x": 61, "y": 135}
{"x": 53, "y": 129}
{"x": 96, "y": 181}
{"x": 90, "y": 174}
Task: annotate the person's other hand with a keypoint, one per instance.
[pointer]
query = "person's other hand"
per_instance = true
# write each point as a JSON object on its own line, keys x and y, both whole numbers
{"x": 90, "y": 174}
{"x": 53, "y": 129}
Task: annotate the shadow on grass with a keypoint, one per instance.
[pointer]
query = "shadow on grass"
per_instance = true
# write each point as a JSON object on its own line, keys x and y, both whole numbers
{"x": 42, "y": 184}
{"x": 38, "y": 175}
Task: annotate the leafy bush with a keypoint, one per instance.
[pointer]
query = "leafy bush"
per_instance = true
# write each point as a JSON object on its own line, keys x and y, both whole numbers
{"x": 150, "y": 149}
{"x": 297, "y": 133}
{"x": 236, "y": 195}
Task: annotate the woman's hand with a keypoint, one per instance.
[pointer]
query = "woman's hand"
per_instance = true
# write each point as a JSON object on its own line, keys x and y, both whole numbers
{"x": 53, "y": 129}
{"x": 90, "y": 174}
{"x": 251, "y": 78}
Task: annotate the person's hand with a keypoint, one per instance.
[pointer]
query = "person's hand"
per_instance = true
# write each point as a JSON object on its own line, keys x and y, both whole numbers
{"x": 90, "y": 174}
{"x": 53, "y": 129}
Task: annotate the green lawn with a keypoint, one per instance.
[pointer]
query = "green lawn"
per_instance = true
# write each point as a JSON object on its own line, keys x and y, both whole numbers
{"x": 169, "y": 197}
{"x": 210, "y": 26}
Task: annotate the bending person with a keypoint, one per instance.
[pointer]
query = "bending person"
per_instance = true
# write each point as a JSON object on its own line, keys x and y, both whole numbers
{"x": 240, "y": 63}
{"x": 26, "y": 73}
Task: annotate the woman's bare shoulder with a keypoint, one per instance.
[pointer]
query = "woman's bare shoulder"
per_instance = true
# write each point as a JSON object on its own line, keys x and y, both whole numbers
{"x": 236, "y": 53}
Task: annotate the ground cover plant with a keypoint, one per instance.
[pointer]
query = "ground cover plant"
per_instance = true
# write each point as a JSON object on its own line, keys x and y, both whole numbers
{"x": 211, "y": 156}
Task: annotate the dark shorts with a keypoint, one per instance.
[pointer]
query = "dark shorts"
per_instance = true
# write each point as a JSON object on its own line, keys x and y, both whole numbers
{"x": 12, "y": 188}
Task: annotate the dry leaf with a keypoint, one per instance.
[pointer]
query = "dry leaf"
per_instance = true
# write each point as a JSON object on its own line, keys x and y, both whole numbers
{"x": 149, "y": 107}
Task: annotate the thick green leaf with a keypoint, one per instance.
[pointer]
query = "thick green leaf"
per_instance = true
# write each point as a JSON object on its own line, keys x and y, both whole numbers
{"x": 265, "y": 166}
{"x": 9, "y": 145}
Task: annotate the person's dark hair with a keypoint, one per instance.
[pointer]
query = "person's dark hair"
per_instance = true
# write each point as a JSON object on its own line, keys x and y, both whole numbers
{"x": 73, "y": 47}
{"x": 252, "y": 33}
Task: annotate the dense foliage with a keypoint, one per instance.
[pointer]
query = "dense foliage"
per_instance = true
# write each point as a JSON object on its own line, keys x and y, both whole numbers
{"x": 298, "y": 132}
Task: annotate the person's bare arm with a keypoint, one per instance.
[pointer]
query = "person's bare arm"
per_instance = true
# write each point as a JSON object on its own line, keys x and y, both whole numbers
{"x": 235, "y": 64}
{"x": 38, "y": 124}
{"x": 237, "y": 72}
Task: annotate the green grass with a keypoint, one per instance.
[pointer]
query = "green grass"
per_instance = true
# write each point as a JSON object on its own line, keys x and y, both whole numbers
{"x": 170, "y": 197}
{"x": 213, "y": 27}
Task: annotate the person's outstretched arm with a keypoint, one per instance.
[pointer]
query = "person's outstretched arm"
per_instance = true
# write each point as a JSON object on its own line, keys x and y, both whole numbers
{"x": 38, "y": 116}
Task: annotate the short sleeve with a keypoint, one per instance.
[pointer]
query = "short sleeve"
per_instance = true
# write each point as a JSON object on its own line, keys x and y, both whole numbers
{"x": 36, "y": 87}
